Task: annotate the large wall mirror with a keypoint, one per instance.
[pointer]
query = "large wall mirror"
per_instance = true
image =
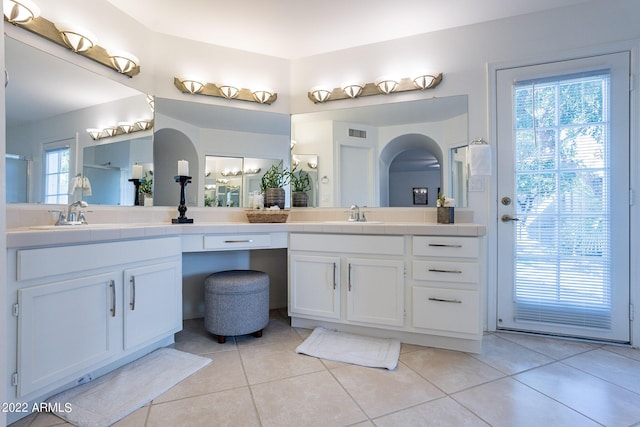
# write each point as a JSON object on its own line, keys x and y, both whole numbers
{"x": 395, "y": 154}
{"x": 50, "y": 102}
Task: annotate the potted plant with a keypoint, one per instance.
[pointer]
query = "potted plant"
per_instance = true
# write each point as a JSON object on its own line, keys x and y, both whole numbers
{"x": 300, "y": 184}
{"x": 146, "y": 188}
{"x": 272, "y": 183}
{"x": 445, "y": 209}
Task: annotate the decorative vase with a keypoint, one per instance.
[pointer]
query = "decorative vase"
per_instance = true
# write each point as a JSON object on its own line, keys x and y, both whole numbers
{"x": 445, "y": 215}
{"x": 274, "y": 197}
{"x": 300, "y": 199}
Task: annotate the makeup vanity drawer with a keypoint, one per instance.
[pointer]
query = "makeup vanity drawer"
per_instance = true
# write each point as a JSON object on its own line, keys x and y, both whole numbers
{"x": 446, "y": 246}
{"x": 446, "y": 310}
{"x": 236, "y": 241}
{"x": 446, "y": 271}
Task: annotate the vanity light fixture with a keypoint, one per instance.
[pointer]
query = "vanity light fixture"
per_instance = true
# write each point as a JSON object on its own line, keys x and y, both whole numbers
{"x": 95, "y": 134}
{"x": 252, "y": 171}
{"x": 293, "y": 143}
{"x": 193, "y": 86}
{"x": 144, "y": 124}
{"x": 20, "y": 11}
{"x": 312, "y": 165}
{"x": 78, "y": 39}
{"x": 110, "y": 131}
{"x": 352, "y": 90}
{"x": 25, "y": 14}
{"x": 320, "y": 94}
{"x": 427, "y": 81}
{"x": 123, "y": 61}
{"x": 382, "y": 86}
{"x": 126, "y": 127}
{"x": 229, "y": 92}
{"x": 386, "y": 85}
{"x": 261, "y": 96}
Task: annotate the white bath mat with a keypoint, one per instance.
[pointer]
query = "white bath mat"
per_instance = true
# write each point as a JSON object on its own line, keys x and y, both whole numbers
{"x": 115, "y": 395}
{"x": 354, "y": 349}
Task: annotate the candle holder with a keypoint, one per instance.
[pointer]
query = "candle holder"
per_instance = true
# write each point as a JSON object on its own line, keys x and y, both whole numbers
{"x": 182, "y": 207}
{"x": 136, "y": 195}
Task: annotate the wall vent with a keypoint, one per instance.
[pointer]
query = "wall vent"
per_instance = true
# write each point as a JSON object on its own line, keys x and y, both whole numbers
{"x": 357, "y": 133}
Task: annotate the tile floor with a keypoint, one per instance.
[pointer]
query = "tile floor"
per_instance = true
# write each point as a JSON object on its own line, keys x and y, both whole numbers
{"x": 518, "y": 380}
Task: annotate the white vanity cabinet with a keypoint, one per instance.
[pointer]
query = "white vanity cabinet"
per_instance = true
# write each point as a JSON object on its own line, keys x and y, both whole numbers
{"x": 446, "y": 285}
{"x": 79, "y": 308}
{"x": 351, "y": 279}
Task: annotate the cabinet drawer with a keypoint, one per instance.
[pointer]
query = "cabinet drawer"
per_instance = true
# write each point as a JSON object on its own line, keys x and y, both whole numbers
{"x": 236, "y": 241}
{"x": 446, "y": 271}
{"x": 448, "y": 310}
{"x": 342, "y": 243}
{"x": 450, "y": 247}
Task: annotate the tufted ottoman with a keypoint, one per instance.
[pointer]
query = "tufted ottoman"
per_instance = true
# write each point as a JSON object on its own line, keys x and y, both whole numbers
{"x": 236, "y": 302}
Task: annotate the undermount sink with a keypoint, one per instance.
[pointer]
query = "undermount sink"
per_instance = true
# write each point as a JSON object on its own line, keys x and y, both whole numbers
{"x": 354, "y": 222}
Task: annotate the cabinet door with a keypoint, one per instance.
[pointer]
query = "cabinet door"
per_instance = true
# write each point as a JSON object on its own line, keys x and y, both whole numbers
{"x": 314, "y": 286}
{"x": 66, "y": 327}
{"x": 375, "y": 291}
{"x": 152, "y": 303}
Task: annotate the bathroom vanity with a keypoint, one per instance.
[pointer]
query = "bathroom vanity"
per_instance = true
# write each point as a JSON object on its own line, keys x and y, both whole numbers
{"x": 88, "y": 299}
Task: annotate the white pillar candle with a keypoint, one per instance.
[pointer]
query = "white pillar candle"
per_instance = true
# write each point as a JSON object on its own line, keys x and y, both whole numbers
{"x": 136, "y": 172}
{"x": 183, "y": 168}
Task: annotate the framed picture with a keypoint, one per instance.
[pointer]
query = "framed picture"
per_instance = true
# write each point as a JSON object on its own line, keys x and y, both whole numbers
{"x": 420, "y": 195}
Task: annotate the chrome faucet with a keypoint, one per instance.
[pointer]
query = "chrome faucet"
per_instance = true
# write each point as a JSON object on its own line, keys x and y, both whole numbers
{"x": 74, "y": 215}
{"x": 354, "y": 213}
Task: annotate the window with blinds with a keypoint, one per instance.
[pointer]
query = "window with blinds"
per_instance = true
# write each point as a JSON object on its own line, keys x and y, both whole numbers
{"x": 562, "y": 168}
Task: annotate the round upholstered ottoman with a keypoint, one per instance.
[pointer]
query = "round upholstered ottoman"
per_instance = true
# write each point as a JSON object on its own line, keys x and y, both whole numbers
{"x": 236, "y": 302}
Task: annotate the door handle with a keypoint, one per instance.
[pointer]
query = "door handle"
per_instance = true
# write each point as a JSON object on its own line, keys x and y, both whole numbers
{"x": 507, "y": 218}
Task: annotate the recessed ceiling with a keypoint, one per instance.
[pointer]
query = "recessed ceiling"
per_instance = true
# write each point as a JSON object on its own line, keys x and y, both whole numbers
{"x": 299, "y": 28}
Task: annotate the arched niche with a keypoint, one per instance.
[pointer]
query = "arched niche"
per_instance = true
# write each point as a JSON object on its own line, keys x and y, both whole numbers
{"x": 416, "y": 156}
{"x": 169, "y": 146}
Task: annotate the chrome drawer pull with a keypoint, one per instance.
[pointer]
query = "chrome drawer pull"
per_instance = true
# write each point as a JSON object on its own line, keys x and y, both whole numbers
{"x": 239, "y": 241}
{"x": 436, "y": 270}
{"x": 112, "y": 287}
{"x": 132, "y": 282}
{"x": 452, "y": 301}
{"x": 442, "y": 245}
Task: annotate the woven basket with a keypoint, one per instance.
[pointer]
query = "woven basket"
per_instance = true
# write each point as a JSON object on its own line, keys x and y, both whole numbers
{"x": 267, "y": 215}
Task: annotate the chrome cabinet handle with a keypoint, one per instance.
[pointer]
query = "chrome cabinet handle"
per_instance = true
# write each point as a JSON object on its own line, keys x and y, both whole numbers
{"x": 239, "y": 241}
{"x": 437, "y": 270}
{"x": 452, "y": 301}
{"x": 349, "y": 277}
{"x": 112, "y": 288}
{"x": 334, "y": 276}
{"x": 132, "y": 282}
{"x": 443, "y": 245}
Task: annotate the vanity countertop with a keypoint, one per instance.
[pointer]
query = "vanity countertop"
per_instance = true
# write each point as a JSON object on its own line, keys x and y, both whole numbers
{"x": 52, "y": 235}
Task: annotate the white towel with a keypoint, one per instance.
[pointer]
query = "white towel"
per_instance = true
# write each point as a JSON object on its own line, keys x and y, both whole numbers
{"x": 479, "y": 160}
{"x": 86, "y": 186}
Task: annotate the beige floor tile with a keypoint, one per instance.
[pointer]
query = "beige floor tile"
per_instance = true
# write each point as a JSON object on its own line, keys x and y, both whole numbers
{"x": 195, "y": 339}
{"x": 449, "y": 370}
{"x": 42, "y": 419}
{"x": 609, "y": 366}
{"x": 136, "y": 419}
{"x": 444, "y": 412}
{"x": 308, "y": 400}
{"x": 223, "y": 373}
{"x": 271, "y": 362}
{"x": 556, "y": 348}
{"x": 508, "y": 403}
{"x": 224, "y": 408}
{"x": 380, "y": 391}
{"x": 509, "y": 357}
{"x": 633, "y": 353}
{"x": 598, "y": 399}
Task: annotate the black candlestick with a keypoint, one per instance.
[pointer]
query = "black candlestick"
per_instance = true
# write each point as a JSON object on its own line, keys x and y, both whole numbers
{"x": 136, "y": 195}
{"x": 182, "y": 207}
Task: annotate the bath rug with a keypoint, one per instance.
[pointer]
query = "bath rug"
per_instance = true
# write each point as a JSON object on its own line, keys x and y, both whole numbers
{"x": 107, "y": 399}
{"x": 350, "y": 348}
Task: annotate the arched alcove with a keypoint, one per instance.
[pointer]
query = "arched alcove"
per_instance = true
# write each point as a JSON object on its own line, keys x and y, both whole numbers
{"x": 418, "y": 158}
{"x": 169, "y": 146}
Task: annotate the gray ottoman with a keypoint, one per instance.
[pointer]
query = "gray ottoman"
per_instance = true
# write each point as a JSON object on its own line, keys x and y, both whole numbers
{"x": 236, "y": 302}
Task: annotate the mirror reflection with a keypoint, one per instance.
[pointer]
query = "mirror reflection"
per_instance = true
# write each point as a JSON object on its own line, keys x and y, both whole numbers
{"x": 380, "y": 153}
{"x": 50, "y": 103}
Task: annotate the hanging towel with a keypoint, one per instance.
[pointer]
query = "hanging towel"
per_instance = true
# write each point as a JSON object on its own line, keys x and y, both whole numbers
{"x": 479, "y": 159}
{"x": 86, "y": 187}
{"x": 76, "y": 184}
